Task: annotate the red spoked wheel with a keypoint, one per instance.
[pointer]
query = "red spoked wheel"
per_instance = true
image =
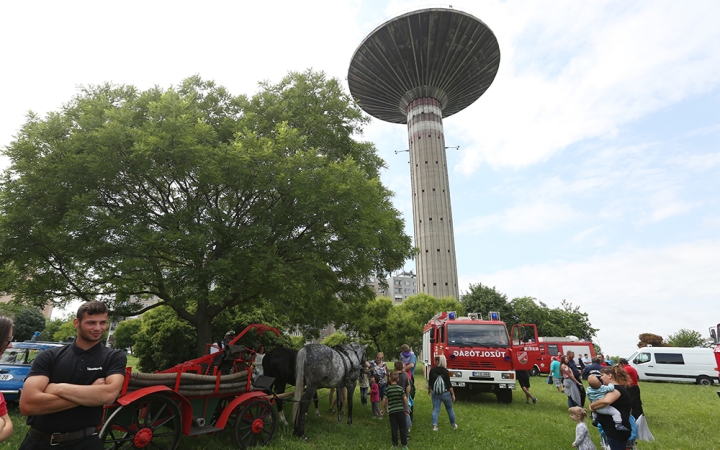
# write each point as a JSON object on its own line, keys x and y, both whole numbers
{"x": 255, "y": 424}
{"x": 151, "y": 422}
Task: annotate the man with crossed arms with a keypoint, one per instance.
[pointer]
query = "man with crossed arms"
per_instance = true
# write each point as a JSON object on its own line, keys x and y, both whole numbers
{"x": 67, "y": 386}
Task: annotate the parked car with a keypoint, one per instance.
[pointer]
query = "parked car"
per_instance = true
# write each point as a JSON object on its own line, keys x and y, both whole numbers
{"x": 15, "y": 365}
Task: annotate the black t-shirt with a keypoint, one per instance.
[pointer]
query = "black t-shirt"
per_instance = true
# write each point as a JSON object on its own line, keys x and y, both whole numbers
{"x": 575, "y": 370}
{"x": 438, "y": 371}
{"x": 624, "y": 406}
{"x": 71, "y": 364}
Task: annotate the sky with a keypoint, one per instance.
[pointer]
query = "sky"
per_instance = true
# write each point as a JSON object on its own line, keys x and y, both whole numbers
{"x": 588, "y": 171}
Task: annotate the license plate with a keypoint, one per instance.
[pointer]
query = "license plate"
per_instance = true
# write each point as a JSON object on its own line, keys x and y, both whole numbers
{"x": 458, "y": 384}
{"x": 481, "y": 374}
{"x": 6, "y": 376}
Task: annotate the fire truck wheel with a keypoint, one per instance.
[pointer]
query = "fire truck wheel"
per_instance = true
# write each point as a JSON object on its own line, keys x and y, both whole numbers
{"x": 535, "y": 372}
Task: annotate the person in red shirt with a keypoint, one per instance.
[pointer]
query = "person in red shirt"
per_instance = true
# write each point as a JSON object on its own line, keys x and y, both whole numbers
{"x": 633, "y": 388}
{"x": 6, "y": 332}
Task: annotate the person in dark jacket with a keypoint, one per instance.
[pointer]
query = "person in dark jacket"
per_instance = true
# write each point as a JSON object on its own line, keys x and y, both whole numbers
{"x": 447, "y": 397}
{"x": 592, "y": 369}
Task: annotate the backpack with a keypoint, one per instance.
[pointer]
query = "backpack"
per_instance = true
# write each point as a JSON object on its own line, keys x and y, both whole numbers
{"x": 439, "y": 385}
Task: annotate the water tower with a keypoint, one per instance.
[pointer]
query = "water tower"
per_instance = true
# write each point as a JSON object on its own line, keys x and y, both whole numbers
{"x": 416, "y": 69}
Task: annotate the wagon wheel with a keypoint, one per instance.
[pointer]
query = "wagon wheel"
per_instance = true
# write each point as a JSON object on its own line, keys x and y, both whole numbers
{"x": 148, "y": 422}
{"x": 256, "y": 423}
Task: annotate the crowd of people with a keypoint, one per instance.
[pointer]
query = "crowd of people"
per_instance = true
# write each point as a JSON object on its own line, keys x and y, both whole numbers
{"x": 55, "y": 385}
{"x": 615, "y": 403}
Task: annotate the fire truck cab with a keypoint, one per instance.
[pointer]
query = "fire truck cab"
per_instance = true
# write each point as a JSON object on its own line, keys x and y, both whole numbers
{"x": 480, "y": 354}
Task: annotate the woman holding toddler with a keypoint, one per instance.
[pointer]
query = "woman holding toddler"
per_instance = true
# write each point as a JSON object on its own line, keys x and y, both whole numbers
{"x": 619, "y": 399}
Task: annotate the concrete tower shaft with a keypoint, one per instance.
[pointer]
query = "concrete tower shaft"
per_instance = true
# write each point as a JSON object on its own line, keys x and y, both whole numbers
{"x": 419, "y": 68}
{"x": 433, "y": 225}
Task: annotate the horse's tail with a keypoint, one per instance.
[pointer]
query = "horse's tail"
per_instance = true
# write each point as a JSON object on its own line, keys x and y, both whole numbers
{"x": 299, "y": 382}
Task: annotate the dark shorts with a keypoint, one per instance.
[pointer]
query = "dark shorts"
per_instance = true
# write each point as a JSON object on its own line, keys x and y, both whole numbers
{"x": 523, "y": 378}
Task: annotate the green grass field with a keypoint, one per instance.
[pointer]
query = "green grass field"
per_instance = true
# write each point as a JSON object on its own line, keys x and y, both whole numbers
{"x": 681, "y": 416}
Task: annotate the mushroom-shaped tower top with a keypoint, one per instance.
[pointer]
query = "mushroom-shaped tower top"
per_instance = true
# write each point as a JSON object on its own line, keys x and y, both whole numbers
{"x": 439, "y": 53}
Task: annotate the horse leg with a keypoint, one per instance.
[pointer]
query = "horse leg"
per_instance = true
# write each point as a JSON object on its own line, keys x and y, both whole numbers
{"x": 304, "y": 406}
{"x": 339, "y": 404}
{"x": 350, "y": 393}
{"x": 317, "y": 407}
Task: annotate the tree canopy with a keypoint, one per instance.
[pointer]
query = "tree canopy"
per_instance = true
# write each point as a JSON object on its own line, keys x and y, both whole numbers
{"x": 686, "y": 338}
{"x": 650, "y": 340}
{"x": 125, "y": 335}
{"x": 386, "y": 327}
{"x": 483, "y": 299}
{"x": 566, "y": 320}
{"x": 26, "y": 320}
{"x": 207, "y": 201}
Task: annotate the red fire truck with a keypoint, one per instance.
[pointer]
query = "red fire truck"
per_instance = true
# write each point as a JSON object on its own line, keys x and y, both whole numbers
{"x": 480, "y": 354}
{"x": 553, "y": 346}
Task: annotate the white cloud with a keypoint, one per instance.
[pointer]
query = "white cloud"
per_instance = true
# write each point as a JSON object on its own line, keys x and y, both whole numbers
{"x": 590, "y": 236}
{"x": 575, "y": 73}
{"x": 665, "y": 204}
{"x": 523, "y": 219}
{"x": 59, "y": 45}
{"x": 628, "y": 292}
{"x": 702, "y": 162}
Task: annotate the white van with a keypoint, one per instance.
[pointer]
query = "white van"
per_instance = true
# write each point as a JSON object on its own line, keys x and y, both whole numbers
{"x": 690, "y": 365}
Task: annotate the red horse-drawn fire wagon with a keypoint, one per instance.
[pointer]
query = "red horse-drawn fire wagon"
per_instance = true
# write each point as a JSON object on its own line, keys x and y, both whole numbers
{"x": 201, "y": 396}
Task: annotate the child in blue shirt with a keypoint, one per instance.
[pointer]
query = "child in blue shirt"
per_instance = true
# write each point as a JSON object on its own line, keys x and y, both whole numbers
{"x": 595, "y": 391}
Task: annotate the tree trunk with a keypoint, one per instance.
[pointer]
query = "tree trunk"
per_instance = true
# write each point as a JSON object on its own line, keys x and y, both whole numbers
{"x": 204, "y": 328}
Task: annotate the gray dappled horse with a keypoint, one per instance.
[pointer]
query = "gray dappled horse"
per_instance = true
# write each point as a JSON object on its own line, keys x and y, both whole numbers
{"x": 321, "y": 366}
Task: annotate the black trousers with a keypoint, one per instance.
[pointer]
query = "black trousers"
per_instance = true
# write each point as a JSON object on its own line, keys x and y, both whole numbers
{"x": 87, "y": 443}
{"x": 398, "y": 422}
{"x": 582, "y": 393}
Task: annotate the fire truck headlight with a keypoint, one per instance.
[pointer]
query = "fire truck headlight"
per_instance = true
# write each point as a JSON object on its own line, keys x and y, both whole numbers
{"x": 456, "y": 374}
{"x": 508, "y": 376}
{"x": 502, "y": 386}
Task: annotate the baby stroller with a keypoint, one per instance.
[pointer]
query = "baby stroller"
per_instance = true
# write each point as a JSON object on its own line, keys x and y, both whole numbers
{"x": 631, "y": 444}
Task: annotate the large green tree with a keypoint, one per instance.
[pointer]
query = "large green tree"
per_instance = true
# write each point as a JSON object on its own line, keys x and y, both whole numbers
{"x": 650, "y": 340}
{"x": 406, "y": 322}
{"x": 484, "y": 299}
{"x": 686, "y": 338}
{"x": 208, "y": 201}
{"x": 371, "y": 323}
{"x": 26, "y": 320}
{"x": 51, "y": 327}
{"x": 566, "y": 320}
{"x": 125, "y": 335}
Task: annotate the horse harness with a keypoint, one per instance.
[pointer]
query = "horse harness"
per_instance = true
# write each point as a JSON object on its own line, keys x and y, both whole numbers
{"x": 349, "y": 366}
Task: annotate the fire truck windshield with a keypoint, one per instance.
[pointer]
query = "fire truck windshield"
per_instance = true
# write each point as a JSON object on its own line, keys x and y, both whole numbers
{"x": 477, "y": 335}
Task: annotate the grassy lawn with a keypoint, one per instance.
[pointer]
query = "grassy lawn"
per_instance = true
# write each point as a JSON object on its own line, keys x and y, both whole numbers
{"x": 679, "y": 415}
